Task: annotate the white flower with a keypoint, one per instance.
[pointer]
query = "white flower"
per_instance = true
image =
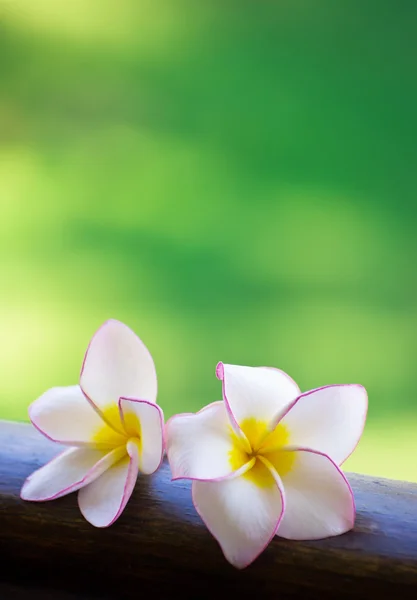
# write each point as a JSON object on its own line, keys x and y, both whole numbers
{"x": 110, "y": 421}
{"x": 265, "y": 460}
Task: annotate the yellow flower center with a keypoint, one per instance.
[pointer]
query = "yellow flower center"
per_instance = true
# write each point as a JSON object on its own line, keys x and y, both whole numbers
{"x": 120, "y": 432}
{"x": 264, "y": 445}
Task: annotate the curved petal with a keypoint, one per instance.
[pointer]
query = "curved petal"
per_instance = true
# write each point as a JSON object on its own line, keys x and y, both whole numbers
{"x": 319, "y": 499}
{"x": 329, "y": 419}
{"x": 202, "y": 445}
{"x": 263, "y": 393}
{"x": 103, "y": 501}
{"x": 144, "y": 421}
{"x": 63, "y": 414}
{"x": 68, "y": 472}
{"x": 117, "y": 363}
{"x": 240, "y": 514}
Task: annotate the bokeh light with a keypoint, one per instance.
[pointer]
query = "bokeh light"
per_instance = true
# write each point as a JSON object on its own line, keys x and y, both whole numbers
{"x": 234, "y": 180}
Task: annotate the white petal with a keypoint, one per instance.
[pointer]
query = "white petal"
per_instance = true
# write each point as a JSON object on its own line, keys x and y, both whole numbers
{"x": 116, "y": 364}
{"x": 330, "y": 419}
{"x": 63, "y": 414}
{"x": 145, "y": 420}
{"x": 263, "y": 393}
{"x": 103, "y": 501}
{"x": 200, "y": 446}
{"x": 242, "y": 516}
{"x": 318, "y": 499}
{"x": 67, "y": 472}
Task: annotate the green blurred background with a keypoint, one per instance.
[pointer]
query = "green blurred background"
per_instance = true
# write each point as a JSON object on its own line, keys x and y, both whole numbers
{"x": 234, "y": 180}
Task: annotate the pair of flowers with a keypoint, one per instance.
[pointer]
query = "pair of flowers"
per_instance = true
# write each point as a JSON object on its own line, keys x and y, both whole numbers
{"x": 263, "y": 461}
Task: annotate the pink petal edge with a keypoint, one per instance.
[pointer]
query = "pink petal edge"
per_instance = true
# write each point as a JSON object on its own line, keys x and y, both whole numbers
{"x": 161, "y": 417}
{"x": 282, "y": 493}
{"x": 132, "y": 474}
{"x": 71, "y": 443}
{"x": 235, "y": 425}
{"x": 91, "y": 401}
{"x": 323, "y": 387}
{"x": 343, "y": 476}
{"x": 240, "y": 471}
{"x": 191, "y": 414}
{"x": 284, "y": 373}
{"x": 69, "y": 489}
{"x": 41, "y": 431}
{"x": 188, "y": 414}
{"x": 220, "y": 373}
{"x": 280, "y": 415}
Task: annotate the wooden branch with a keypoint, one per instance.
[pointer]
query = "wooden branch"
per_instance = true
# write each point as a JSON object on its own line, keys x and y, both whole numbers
{"x": 160, "y": 546}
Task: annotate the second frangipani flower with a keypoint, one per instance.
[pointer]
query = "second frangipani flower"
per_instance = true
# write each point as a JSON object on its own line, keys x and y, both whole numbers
{"x": 110, "y": 421}
{"x": 265, "y": 460}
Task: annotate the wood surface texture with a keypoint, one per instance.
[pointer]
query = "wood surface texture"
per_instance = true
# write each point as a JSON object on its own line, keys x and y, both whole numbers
{"x": 159, "y": 545}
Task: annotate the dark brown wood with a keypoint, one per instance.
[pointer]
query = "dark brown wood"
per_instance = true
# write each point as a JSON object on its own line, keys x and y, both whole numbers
{"x": 160, "y": 546}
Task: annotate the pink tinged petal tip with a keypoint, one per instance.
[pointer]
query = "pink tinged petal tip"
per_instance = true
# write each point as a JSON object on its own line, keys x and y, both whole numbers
{"x": 330, "y": 419}
{"x": 220, "y": 371}
{"x": 242, "y": 516}
{"x": 117, "y": 364}
{"x": 68, "y": 472}
{"x": 199, "y": 445}
{"x": 256, "y": 392}
{"x": 319, "y": 499}
{"x": 150, "y": 419}
{"x": 103, "y": 501}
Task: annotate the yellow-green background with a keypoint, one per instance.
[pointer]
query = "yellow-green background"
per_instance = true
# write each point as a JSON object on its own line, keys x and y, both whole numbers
{"x": 234, "y": 180}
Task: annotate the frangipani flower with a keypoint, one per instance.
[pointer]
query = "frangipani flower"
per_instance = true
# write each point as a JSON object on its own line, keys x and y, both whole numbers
{"x": 110, "y": 421}
{"x": 264, "y": 461}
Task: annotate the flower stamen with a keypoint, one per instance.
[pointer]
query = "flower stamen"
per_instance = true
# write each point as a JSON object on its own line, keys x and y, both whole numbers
{"x": 267, "y": 448}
